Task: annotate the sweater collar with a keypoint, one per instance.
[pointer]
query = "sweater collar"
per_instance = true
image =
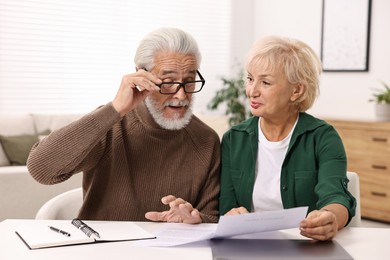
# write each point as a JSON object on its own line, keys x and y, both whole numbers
{"x": 145, "y": 117}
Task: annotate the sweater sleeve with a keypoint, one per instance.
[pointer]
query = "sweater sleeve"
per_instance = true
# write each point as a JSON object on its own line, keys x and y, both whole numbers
{"x": 210, "y": 193}
{"x": 204, "y": 143}
{"x": 74, "y": 148}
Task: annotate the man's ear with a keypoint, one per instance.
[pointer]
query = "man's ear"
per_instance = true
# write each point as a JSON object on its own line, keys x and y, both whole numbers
{"x": 297, "y": 92}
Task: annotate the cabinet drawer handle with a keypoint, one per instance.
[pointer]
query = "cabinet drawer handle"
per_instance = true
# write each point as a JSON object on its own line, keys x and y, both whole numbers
{"x": 379, "y": 139}
{"x": 379, "y": 194}
{"x": 379, "y": 167}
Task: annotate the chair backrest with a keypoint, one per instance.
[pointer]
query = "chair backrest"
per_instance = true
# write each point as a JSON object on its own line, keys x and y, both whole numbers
{"x": 354, "y": 189}
{"x": 63, "y": 206}
{"x": 68, "y": 204}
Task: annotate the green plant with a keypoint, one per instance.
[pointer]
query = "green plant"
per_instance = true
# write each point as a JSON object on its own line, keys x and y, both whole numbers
{"x": 382, "y": 96}
{"x": 233, "y": 96}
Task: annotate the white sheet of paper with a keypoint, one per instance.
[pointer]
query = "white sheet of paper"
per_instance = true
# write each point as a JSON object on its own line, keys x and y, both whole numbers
{"x": 173, "y": 234}
{"x": 259, "y": 222}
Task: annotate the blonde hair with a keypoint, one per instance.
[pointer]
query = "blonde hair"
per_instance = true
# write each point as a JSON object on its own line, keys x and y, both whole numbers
{"x": 295, "y": 59}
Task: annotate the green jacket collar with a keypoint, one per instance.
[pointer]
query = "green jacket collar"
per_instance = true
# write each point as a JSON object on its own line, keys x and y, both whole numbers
{"x": 305, "y": 123}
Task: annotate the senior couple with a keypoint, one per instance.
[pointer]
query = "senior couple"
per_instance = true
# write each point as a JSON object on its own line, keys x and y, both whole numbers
{"x": 145, "y": 155}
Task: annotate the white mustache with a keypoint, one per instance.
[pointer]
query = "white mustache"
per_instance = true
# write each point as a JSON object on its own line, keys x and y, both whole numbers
{"x": 177, "y": 103}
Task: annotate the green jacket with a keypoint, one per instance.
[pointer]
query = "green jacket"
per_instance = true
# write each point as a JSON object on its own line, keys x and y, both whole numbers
{"x": 313, "y": 172}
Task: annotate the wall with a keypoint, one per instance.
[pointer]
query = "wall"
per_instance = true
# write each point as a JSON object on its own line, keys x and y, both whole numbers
{"x": 68, "y": 56}
{"x": 343, "y": 95}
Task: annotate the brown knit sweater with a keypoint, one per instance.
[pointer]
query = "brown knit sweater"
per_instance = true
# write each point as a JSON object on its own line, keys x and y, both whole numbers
{"x": 129, "y": 164}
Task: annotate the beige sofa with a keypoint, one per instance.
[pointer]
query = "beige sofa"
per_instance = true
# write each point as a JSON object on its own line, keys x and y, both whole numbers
{"x": 20, "y": 195}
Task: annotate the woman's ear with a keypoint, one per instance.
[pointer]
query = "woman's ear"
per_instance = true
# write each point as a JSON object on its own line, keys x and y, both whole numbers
{"x": 298, "y": 91}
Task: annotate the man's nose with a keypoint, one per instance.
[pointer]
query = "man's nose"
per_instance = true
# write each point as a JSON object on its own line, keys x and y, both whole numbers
{"x": 181, "y": 94}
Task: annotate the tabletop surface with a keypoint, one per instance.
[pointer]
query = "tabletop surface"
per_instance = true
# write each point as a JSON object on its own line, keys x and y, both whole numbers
{"x": 360, "y": 243}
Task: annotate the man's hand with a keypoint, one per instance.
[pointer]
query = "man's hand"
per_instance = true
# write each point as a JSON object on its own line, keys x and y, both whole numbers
{"x": 133, "y": 90}
{"x": 180, "y": 211}
{"x": 319, "y": 225}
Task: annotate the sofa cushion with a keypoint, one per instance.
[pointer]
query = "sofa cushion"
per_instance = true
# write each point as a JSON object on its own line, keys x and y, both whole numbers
{"x": 21, "y": 196}
{"x": 3, "y": 158}
{"x": 17, "y": 147}
{"x": 53, "y": 121}
{"x": 17, "y": 124}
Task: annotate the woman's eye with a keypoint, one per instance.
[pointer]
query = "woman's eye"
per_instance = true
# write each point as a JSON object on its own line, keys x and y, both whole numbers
{"x": 266, "y": 83}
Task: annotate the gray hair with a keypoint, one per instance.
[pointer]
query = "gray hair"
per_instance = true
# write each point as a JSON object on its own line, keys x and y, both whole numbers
{"x": 165, "y": 39}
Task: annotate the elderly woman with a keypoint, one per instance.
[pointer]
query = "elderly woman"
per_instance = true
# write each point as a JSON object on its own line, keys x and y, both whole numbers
{"x": 283, "y": 157}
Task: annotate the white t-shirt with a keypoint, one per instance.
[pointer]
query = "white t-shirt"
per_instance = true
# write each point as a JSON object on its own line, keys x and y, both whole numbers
{"x": 266, "y": 191}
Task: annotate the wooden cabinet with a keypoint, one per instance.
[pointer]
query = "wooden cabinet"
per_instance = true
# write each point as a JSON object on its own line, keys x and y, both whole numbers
{"x": 367, "y": 145}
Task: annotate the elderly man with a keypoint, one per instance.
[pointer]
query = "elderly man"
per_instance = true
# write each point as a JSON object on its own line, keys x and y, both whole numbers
{"x": 143, "y": 146}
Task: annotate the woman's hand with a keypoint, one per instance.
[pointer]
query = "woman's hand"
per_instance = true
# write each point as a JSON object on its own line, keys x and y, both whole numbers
{"x": 319, "y": 225}
{"x": 180, "y": 211}
{"x": 324, "y": 224}
{"x": 237, "y": 211}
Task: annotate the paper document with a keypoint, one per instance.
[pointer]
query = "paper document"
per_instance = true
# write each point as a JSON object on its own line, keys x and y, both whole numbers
{"x": 259, "y": 222}
{"x": 173, "y": 234}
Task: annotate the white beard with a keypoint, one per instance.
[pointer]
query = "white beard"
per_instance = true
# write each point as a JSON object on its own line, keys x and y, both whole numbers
{"x": 175, "y": 123}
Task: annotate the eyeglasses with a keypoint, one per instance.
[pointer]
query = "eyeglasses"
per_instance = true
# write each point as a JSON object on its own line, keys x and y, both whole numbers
{"x": 169, "y": 88}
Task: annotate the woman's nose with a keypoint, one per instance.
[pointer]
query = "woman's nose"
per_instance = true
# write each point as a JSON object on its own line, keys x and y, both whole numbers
{"x": 253, "y": 90}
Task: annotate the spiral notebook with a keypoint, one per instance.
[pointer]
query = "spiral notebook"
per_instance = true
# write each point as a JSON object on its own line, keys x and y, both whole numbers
{"x": 53, "y": 233}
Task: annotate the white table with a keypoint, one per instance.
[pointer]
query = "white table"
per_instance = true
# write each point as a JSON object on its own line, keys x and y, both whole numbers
{"x": 361, "y": 243}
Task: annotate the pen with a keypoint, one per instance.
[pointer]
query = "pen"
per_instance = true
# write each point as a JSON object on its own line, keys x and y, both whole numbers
{"x": 60, "y": 231}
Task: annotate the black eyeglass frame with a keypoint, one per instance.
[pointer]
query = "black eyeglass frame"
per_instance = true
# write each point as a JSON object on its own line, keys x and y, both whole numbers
{"x": 182, "y": 85}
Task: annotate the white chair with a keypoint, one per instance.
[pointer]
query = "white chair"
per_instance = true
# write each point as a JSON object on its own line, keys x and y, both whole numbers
{"x": 67, "y": 204}
{"x": 354, "y": 189}
{"x": 63, "y": 206}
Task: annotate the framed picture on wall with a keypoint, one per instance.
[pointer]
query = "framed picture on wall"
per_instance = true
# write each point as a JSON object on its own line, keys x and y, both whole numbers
{"x": 345, "y": 35}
